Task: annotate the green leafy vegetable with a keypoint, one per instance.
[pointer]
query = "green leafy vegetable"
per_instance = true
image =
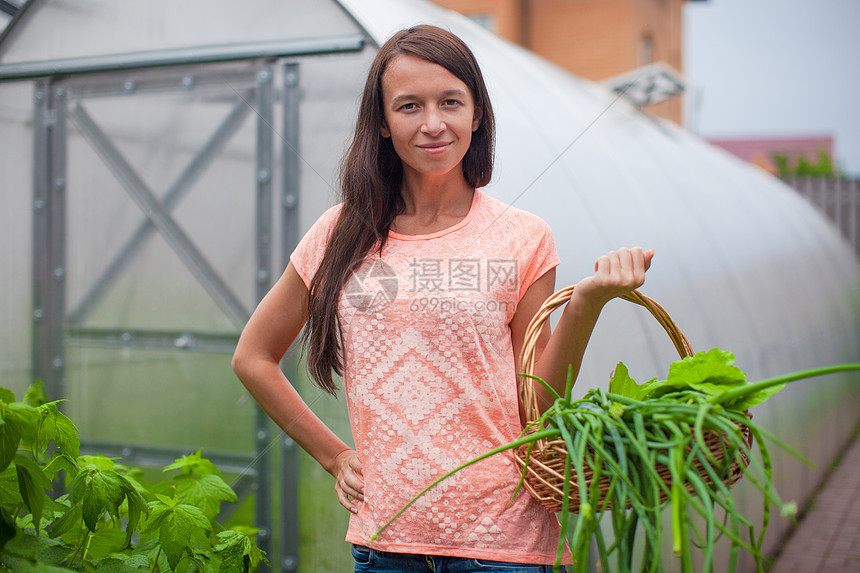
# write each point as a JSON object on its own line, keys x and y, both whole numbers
{"x": 238, "y": 551}
{"x": 93, "y": 528}
{"x": 57, "y": 427}
{"x": 176, "y": 523}
{"x": 712, "y": 373}
{"x": 194, "y": 464}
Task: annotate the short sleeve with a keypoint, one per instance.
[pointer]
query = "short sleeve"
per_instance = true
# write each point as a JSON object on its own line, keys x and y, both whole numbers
{"x": 308, "y": 254}
{"x": 540, "y": 254}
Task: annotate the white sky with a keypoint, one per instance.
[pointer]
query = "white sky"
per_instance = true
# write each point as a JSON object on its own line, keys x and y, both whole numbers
{"x": 762, "y": 68}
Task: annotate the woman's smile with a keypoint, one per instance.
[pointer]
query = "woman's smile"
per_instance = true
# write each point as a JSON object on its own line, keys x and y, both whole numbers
{"x": 436, "y": 147}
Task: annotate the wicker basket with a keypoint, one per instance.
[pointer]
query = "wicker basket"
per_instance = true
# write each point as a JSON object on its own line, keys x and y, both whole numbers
{"x": 544, "y": 463}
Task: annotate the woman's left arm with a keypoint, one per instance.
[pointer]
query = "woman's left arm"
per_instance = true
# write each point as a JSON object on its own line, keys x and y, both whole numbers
{"x": 615, "y": 274}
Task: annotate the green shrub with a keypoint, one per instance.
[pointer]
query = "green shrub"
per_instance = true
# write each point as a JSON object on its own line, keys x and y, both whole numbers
{"x": 108, "y": 519}
{"x": 803, "y": 167}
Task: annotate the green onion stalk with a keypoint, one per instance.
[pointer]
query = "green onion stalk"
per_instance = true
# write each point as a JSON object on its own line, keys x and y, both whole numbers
{"x": 648, "y": 442}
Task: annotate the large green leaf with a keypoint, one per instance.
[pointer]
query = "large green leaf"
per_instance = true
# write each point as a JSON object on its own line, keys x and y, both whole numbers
{"x": 10, "y": 438}
{"x": 70, "y": 521}
{"x": 158, "y": 511}
{"x": 194, "y": 463}
{"x": 96, "y": 462}
{"x": 20, "y": 565}
{"x": 36, "y": 395}
{"x": 104, "y": 542}
{"x": 753, "y": 399}
{"x": 32, "y": 484}
{"x": 6, "y": 395}
{"x": 25, "y": 418}
{"x": 136, "y": 506}
{"x": 10, "y": 495}
{"x": 57, "y": 427}
{"x": 205, "y": 491}
{"x": 98, "y": 491}
{"x": 622, "y": 384}
{"x": 178, "y": 525}
{"x": 63, "y": 462}
{"x": 711, "y": 372}
{"x": 40, "y": 549}
{"x": 238, "y": 552}
{"x": 119, "y": 563}
{"x": 707, "y": 371}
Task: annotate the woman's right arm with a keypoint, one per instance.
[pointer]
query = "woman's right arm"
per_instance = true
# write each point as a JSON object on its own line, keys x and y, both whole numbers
{"x": 270, "y": 331}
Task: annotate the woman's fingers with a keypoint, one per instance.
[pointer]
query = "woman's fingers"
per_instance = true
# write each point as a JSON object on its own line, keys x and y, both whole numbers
{"x": 348, "y": 494}
{"x": 349, "y": 484}
{"x": 648, "y": 256}
{"x": 345, "y": 500}
{"x": 623, "y": 269}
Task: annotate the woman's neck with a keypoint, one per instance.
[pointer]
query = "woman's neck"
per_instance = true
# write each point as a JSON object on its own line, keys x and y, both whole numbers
{"x": 430, "y": 207}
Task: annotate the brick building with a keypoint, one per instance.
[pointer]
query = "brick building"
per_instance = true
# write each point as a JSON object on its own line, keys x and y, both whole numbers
{"x": 594, "y": 39}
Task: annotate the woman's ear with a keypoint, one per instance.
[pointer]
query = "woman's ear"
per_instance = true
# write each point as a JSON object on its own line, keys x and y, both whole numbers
{"x": 383, "y": 130}
{"x": 476, "y": 120}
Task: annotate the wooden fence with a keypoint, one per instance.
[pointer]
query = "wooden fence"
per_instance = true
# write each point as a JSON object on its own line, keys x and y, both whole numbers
{"x": 839, "y": 199}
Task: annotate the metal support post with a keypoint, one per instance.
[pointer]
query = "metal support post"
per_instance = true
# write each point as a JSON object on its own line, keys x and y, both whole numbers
{"x": 49, "y": 237}
{"x": 263, "y": 281}
{"x": 290, "y": 181}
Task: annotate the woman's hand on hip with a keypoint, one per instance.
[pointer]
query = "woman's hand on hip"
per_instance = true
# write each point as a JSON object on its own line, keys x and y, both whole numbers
{"x": 349, "y": 482}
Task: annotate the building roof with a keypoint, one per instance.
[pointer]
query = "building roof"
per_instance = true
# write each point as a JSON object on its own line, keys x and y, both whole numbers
{"x": 761, "y": 151}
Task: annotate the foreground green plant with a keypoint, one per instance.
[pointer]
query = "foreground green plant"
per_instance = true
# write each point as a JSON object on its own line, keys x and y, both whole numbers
{"x": 110, "y": 520}
{"x": 624, "y": 436}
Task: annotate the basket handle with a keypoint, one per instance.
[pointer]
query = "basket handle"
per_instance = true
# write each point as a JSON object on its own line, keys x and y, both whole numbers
{"x": 527, "y": 355}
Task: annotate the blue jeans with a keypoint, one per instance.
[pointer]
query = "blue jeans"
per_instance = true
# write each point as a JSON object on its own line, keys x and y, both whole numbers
{"x": 369, "y": 560}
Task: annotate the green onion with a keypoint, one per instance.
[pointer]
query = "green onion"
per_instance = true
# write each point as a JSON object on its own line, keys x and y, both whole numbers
{"x": 626, "y": 440}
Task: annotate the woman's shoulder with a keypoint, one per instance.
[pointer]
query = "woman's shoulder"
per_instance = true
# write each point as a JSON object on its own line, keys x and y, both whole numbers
{"x": 325, "y": 222}
{"x": 500, "y": 212}
{"x": 330, "y": 215}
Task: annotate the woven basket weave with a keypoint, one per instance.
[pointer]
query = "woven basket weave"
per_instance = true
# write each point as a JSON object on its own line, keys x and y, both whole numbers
{"x": 543, "y": 461}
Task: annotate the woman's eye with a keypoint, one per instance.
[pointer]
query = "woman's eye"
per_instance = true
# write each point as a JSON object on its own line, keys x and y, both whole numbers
{"x": 408, "y": 106}
{"x": 451, "y": 102}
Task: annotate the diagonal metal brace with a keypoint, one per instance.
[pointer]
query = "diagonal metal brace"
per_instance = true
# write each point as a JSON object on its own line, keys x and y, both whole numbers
{"x": 160, "y": 218}
{"x": 177, "y": 190}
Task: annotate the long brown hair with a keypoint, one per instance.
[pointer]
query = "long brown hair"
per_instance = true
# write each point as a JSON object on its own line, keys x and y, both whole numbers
{"x": 370, "y": 177}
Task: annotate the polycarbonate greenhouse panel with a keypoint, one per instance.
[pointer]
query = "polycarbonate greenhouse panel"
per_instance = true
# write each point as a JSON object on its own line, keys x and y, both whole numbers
{"x": 16, "y": 204}
{"x": 63, "y": 29}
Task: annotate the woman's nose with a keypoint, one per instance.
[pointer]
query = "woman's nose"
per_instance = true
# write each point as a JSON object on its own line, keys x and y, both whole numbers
{"x": 433, "y": 122}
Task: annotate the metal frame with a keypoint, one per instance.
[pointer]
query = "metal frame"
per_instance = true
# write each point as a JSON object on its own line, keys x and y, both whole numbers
{"x": 191, "y": 56}
{"x": 49, "y": 232}
{"x": 158, "y": 216}
{"x": 54, "y": 327}
{"x": 289, "y": 202}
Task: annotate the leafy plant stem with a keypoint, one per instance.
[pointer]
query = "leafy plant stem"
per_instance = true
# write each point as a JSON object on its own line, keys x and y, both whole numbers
{"x": 87, "y": 546}
{"x": 155, "y": 566}
{"x": 84, "y": 540}
{"x": 783, "y": 379}
{"x": 568, "y": 385}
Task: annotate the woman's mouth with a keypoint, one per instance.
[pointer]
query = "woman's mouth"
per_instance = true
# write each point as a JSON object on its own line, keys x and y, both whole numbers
{"x": 434, "y": 147}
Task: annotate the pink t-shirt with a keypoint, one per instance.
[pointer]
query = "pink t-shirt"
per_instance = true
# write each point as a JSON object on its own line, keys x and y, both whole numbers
{"x": 430, "y": 383}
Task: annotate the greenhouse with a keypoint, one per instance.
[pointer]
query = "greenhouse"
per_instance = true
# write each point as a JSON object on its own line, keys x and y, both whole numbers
{"x": 161, "y": 160}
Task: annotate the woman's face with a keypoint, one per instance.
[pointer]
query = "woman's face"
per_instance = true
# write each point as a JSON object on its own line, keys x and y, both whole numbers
{"x": 429, "y": 114}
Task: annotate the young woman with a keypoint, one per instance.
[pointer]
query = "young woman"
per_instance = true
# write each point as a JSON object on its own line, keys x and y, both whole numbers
{"x": 417, "y": 289}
